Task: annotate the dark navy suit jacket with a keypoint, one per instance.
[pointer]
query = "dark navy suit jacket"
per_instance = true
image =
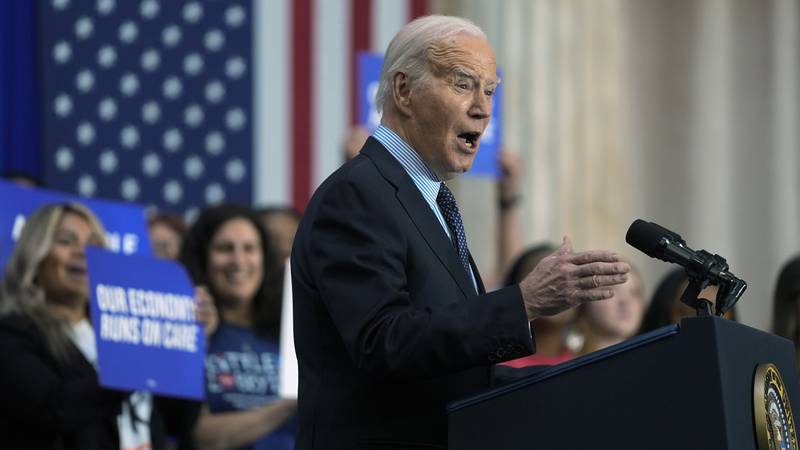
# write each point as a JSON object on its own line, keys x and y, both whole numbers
{"x": 388, "y": 325}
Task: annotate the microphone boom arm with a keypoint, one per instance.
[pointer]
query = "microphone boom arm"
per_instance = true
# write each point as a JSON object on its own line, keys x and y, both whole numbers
{"x": 702, "y": 268}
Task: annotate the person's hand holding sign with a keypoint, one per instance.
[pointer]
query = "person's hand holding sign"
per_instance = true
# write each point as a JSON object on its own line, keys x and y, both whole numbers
{"x": 206, "y": 312}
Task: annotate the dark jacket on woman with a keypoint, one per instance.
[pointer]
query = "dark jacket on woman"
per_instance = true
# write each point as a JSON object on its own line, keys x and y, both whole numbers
{"x": 45, "y": 404}
{"x": 48, "y": 405}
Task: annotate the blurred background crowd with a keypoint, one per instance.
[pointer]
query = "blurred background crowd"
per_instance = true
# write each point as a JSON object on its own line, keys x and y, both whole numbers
{"x": 223, "y": 116}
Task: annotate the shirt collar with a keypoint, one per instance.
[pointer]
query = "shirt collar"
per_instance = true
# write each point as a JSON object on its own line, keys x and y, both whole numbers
{"x": 422, "y": 175}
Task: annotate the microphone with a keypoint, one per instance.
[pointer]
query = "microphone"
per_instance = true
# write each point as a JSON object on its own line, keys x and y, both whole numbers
{"x": 658, "y": 242}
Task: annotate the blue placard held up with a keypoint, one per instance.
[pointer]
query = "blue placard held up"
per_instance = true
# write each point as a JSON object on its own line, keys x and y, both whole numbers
{"x": 125, "y": 224}
{"x": 369, "y": 73}
{"x": 6, "y": 247}
{"x": 143, "y": 311}
{"x": 486, "y": 161}
{"x": 369, "y": 76}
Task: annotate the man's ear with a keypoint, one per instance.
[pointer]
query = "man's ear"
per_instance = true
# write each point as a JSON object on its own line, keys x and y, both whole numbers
{"x": 401, "y": 93}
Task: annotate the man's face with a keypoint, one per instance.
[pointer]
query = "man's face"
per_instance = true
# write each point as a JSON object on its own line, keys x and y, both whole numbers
{"x": 450, "y": 111}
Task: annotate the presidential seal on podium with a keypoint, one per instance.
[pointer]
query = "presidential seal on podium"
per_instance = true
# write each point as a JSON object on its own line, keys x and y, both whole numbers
{"x": 773, "y": 413}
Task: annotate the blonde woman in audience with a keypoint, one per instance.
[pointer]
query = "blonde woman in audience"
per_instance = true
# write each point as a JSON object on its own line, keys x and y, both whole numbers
{"x": 49, "y": 386}
{"x": 608, "y": 322}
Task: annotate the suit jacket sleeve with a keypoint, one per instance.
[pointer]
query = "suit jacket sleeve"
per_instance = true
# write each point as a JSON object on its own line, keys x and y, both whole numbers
{"x": 357, "y": 252}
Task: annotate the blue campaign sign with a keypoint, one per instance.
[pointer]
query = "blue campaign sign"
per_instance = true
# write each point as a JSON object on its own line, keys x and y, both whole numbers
{"x": 369, "y": 76}
{"x": 6, "y": 247}
{"x": 143, "y": 311}
{"x": 125, "y": 223}
{"x": 486, "y": 161}
{"x": 369, "y": 73}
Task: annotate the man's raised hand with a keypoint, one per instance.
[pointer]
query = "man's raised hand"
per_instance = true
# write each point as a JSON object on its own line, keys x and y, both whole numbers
{"x": 565, "y": 279}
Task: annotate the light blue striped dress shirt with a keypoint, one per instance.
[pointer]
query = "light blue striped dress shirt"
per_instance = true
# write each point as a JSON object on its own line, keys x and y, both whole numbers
{"x": 423, "y": 177}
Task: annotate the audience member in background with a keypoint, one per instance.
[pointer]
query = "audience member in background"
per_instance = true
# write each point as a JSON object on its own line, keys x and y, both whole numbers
{"x": 509, "y": 228}
{"x": 355, "y": 139}
{"x": 281, "y": 225}
{"x": 603, "y": 324}
{"x": 228, "y": 251}
{"x": 50, "y": 392}
{"x": 22, "y": 179}
{"x": 166, "y": 234}
{"x": 786, "y": 310}
{"x": 550, "y": 331}
{"x": 666, "y": 306}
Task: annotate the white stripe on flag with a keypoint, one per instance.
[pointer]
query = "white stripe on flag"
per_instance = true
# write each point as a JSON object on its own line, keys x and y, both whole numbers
{"x": 331, "y": 84}
{"x": 388, "y": 16}
{"x": 272, "y": 87}
{"x": 272, "y": 83}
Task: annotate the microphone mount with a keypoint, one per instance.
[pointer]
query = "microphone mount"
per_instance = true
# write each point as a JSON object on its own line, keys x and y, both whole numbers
{"x": 702, "y": 268}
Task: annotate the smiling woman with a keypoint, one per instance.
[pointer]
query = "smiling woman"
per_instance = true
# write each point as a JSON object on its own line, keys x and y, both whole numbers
{"x": 51, "y": 396}
{"x": 63, "y": 272}
{"x": 227, "y": 251}
{"x": 45, "y": 279}
{"x": 48, "y": 356}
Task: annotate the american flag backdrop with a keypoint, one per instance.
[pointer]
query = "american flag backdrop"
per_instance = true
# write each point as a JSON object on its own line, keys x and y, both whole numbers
{"x": 181, "y": 104}
{"x": 148, "y": 101}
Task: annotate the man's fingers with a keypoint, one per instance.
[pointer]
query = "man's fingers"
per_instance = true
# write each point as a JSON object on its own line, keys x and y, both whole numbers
{"x": 594, "y": 295}
{"x": 593, "y": 256}
{"x": 601, "y": 268}
{"x": 596, "y": 281}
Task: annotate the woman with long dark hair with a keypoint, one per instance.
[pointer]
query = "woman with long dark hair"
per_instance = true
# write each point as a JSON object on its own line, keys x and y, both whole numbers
{"x": 227, "y": 251}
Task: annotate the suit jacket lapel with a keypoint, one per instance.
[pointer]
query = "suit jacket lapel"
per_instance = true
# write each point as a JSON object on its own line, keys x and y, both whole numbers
{"x": 420, "y": 213}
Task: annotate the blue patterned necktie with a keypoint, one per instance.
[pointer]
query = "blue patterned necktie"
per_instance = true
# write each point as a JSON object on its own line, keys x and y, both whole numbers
{"x": 447, "y": 204}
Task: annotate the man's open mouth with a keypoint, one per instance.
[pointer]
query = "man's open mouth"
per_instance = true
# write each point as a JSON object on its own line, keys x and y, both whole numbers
{"x": 470, "y": 138}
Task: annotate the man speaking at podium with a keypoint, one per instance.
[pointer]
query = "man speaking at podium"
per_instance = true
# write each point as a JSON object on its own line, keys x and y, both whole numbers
{"x": 392, "y": 320}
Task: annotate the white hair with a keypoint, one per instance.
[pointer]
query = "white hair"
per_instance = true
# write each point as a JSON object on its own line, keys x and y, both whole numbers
{"x": 408, "y": 50}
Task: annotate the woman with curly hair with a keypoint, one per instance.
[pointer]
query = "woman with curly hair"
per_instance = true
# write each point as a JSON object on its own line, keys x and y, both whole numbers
{"x": 227, "y": 251}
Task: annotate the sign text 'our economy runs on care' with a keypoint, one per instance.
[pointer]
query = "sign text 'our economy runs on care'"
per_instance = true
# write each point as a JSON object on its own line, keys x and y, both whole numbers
{"x": 150, "y": 318}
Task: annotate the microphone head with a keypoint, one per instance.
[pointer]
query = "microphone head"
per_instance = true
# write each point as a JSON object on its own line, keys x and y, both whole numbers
{"x": 646, "y": 236}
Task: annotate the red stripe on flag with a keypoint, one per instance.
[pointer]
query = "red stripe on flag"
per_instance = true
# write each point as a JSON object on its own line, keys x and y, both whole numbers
{"x": 417, "y": 8}
{"x": 302, "y": 93}
{"x": 361, "y": 30}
